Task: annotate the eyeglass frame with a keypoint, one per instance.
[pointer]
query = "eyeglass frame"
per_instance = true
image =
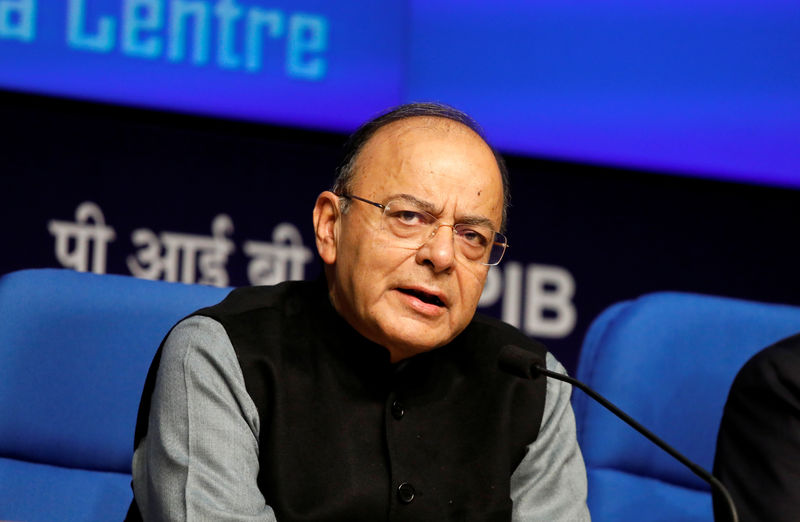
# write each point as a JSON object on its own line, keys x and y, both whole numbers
{"x": 383, "y": 208}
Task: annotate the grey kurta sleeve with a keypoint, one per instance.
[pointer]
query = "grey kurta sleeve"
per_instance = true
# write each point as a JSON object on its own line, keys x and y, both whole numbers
{"x": 199, "y": 460}
{"x": 550, "y": 483}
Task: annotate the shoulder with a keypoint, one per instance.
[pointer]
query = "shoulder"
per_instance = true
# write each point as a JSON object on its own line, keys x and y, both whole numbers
{"x": 193, "y": 339}
{"x": 764, "y": 395}
{"x": 773, "y": 366}
{"x": 285, "y": 297}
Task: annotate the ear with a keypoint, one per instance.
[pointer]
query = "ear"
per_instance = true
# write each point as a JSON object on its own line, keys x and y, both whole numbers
{"x": 326, "y": 218}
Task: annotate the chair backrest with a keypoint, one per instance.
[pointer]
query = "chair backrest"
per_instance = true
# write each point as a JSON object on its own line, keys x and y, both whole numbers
{"x": 74, "y": 353}
{"x": 667, "y": 359}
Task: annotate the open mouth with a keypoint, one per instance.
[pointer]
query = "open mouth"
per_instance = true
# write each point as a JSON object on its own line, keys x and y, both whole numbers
{"x": 423, "y": 296}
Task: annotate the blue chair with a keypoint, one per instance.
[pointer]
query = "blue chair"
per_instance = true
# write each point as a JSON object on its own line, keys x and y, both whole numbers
{"x": 668, "y": 360}
{"x": 74, "y": 353}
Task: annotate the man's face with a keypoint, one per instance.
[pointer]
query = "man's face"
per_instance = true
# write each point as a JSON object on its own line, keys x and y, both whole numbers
{"x": 381, "y": 286}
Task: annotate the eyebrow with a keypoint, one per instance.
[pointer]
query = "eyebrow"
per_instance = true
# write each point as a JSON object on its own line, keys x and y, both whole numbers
{"x": 429, "y": 207}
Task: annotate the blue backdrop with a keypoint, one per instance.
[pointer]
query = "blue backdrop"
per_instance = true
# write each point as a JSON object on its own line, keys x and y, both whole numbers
{"x": 701, "y": 87}
{"x": 209, "y": 126}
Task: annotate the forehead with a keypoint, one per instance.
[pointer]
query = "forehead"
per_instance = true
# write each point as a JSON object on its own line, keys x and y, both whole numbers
{"x": 408, "y": 131}
{"x": 432, "y": 158}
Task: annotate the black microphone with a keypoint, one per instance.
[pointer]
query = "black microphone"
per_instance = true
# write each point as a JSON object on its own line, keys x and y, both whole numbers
{"x": 528, "y": 365}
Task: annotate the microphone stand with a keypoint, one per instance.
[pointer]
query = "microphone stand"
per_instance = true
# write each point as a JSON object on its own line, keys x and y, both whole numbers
{"x": 697, "y": 470}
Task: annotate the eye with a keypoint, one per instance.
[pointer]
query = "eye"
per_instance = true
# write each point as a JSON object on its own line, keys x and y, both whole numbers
{"x": 473, "y": 236}
{"x": 408, "y": 217}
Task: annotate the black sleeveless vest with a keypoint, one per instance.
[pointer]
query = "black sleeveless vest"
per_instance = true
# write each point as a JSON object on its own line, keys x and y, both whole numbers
{"x": 346, "y": 435}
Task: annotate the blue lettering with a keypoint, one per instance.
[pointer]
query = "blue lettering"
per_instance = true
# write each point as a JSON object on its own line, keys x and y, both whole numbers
{"x": 227, "y": 13}
{"x": 102, "y": 41}
{"x": 307, "y": 34}
{"x": 184, "y": 31}
{"x": 180, "y": 12}
{"x": 17, "y": 19}
{"x": 140, "y": 16}
{"x": 257, "y": 19}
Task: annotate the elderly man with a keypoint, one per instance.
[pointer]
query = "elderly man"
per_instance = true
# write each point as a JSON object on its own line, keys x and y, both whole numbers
{"x": 373, "y": 393}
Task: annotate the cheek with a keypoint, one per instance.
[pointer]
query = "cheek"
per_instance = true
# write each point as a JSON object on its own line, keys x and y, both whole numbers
{"x": 369, "y": 269}
{"x": 471, "y": 285}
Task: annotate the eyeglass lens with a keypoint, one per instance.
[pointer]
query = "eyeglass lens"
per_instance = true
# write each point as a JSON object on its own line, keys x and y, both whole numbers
{"x": 408, "y": 222}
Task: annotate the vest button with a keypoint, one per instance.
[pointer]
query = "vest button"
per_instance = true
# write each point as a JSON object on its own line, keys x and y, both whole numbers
{"x": 397, "y": 410}
{"x": 405, "y": 492}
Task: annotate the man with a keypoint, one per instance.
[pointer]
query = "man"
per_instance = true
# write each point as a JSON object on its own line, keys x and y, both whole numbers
{"x": 373, "y": 394}
{"x": 758, "y": 446}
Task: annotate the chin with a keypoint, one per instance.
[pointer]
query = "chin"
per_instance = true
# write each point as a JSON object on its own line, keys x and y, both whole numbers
{"x": 409, "y": 345}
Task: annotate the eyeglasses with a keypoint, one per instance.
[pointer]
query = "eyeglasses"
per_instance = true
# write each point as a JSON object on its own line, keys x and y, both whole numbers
{"x": 414, "y": 226}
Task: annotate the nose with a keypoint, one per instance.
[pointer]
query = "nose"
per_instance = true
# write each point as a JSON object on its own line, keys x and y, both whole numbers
{"x": 439, "y": 250}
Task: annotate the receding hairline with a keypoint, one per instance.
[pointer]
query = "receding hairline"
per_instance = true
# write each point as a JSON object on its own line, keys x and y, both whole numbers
{"x": 392, "y": 134}
{"x": 414, "y": 123}
{"x": 438, "y": 113}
